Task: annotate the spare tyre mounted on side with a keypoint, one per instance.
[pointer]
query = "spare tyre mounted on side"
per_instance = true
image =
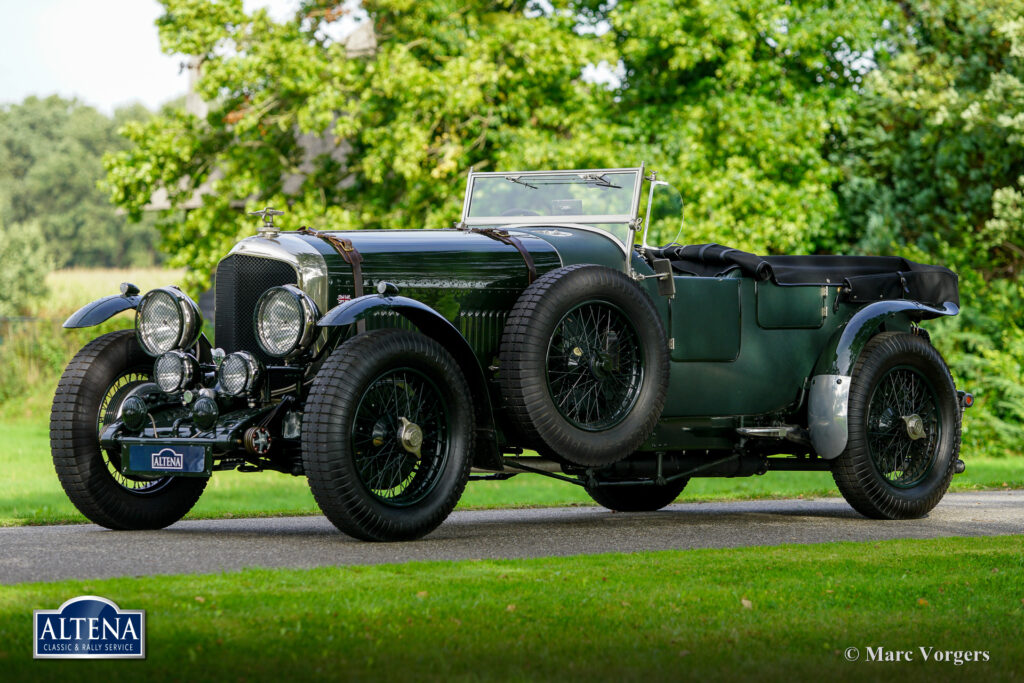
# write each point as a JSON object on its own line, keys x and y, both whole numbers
{"x": 584, "y": 365}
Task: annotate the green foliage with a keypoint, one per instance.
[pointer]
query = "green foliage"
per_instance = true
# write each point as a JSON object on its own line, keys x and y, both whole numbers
{"x": 939, "y": 134}
{"x": 25, "y": 260}
{"x": 451, "y": 85}
{"x": 50, "y": 163}
{"x": 933, "y": 164}
{"x": 734, "y": 102}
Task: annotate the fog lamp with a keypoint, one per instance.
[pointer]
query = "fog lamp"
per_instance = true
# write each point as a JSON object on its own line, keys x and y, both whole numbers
{"x": 174, "y": 371}
{"x": 239, "y": 373}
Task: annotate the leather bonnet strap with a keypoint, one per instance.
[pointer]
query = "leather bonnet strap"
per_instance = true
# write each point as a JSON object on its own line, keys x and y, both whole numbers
{"x": 350, "y": 255}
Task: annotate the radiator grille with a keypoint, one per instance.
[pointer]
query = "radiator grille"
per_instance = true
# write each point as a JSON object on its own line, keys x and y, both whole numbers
{"x": 240, "y": 281}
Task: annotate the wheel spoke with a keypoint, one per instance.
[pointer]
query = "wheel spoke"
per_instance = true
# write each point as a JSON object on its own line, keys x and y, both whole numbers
{"x": 110, "y": 411}
{"x": 901, "y": 395}
{"x": 388, "y": 470}
{"x": 594, "y": 368}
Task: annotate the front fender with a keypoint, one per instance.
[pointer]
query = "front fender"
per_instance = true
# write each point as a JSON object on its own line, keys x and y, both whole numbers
{"x": 829, "y": 396}
{"x": 440, "y": 329}
{"x": 363, "y": 307}
{"x": 102, "y": 309}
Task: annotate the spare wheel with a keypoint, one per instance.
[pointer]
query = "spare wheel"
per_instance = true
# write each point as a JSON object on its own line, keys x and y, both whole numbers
{"x": 584, "y": 365}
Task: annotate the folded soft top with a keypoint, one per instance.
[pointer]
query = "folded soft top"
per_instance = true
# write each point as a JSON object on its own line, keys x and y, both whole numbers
{"x": 864, "y": 278}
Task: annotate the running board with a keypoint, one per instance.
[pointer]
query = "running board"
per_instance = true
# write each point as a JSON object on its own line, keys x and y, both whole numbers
{"x": 524, "y": 464}
{"x": 786, "y": 432}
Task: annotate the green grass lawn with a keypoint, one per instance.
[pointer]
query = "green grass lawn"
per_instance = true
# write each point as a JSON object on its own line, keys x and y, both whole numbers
{"x": 31, "y": 494}
{"x": 766, "y": 613}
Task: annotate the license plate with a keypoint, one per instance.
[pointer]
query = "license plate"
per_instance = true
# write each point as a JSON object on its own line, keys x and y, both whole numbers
{"x": 167, "y": 459}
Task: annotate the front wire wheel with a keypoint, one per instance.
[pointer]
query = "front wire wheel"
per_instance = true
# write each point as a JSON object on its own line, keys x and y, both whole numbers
{"x": 904, "y": 429}
{"x": 109, "y": 412}
{"x": 387, "y": 436}
{"x": 88, "y": 398}
{"x": 400, "y": 436}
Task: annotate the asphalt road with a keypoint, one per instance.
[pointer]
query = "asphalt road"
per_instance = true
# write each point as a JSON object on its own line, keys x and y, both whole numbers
{"x": 86, "y": 551}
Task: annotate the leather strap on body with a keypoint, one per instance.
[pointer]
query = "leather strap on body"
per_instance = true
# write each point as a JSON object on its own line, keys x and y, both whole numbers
{"x": 350, "y": 255}
{"x": 505, "y": 238}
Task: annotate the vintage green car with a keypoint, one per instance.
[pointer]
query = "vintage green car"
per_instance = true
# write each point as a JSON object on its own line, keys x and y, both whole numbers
{"x": 542, "y": 334}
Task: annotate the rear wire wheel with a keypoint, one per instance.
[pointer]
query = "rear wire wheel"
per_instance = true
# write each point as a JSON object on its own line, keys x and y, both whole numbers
{"x": 904, "y": 429}
{"x": 387, "y": 436}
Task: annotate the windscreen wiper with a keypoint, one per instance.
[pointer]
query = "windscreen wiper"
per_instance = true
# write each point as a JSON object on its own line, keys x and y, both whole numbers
{"x": 598, "y": 180}
{"x": 517, "y": 180}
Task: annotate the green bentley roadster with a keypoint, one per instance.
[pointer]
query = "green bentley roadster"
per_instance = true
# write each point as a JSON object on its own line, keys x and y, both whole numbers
{"x": 543, "y": 334}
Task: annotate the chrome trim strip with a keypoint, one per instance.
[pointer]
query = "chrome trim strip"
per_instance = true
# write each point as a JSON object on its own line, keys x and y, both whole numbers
{"x": 516, "y": 220}
{"x": 564, "y": 171}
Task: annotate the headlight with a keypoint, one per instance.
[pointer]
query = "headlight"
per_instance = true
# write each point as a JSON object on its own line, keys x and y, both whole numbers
{"x": 167, "y": 319}
{"x": 239, "y": 373}
{"x": 285, "y": 321}
{"x": 174, "y": 371}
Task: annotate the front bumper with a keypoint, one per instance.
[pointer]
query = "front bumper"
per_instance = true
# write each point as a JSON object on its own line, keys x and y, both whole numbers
{"x": 225, "y": 440}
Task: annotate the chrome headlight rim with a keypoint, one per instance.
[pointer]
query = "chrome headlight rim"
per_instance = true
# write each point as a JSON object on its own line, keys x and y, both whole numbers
{"x": 188, "y": 370}
{"x": 253, "y": 371}
{"x": 308, "y": 316}
{"x": 190, "y": 320}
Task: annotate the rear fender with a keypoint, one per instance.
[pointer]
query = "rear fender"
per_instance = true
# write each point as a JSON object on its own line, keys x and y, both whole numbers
{"x": 437, "y": 327}
{"x": 829, "y": 396}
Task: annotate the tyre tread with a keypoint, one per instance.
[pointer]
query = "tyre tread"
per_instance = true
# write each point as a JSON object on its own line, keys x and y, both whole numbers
{"x": 853, "y": 471}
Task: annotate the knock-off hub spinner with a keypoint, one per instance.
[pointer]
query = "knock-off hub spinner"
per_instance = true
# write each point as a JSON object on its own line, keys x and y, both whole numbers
{"x": 915, "y": 426}
{"x": 410, "y": 436}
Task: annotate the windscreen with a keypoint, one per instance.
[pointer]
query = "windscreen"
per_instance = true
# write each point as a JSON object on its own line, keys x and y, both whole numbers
{"x": 591, "y": 197}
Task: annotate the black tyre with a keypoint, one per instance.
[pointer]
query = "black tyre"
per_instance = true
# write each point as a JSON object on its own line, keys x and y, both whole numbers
{"x": 584, "y": 365}
{"x": 636, "y": 497}
{"x": 904, "y": 429}
{"x": 89, "y": 397}
{"x": 373, "y": 475}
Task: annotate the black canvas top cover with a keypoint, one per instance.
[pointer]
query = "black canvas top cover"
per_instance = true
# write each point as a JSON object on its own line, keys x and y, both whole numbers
{"x": 864, "y": 278}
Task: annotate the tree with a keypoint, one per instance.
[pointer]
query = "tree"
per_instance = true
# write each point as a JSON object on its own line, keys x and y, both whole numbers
{"x": 25, "y": 260}
{"x": 732, "y": 101}
{"x": 450, "y": 85}
{"x": 934, "y": 159}
{"x": 736, "y": 103}
{"x": 933, "y": 169}
{"x": 50, "y": 162}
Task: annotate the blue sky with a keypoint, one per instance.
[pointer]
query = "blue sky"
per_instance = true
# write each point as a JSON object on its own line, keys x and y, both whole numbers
{"x": 104, "y": 52}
